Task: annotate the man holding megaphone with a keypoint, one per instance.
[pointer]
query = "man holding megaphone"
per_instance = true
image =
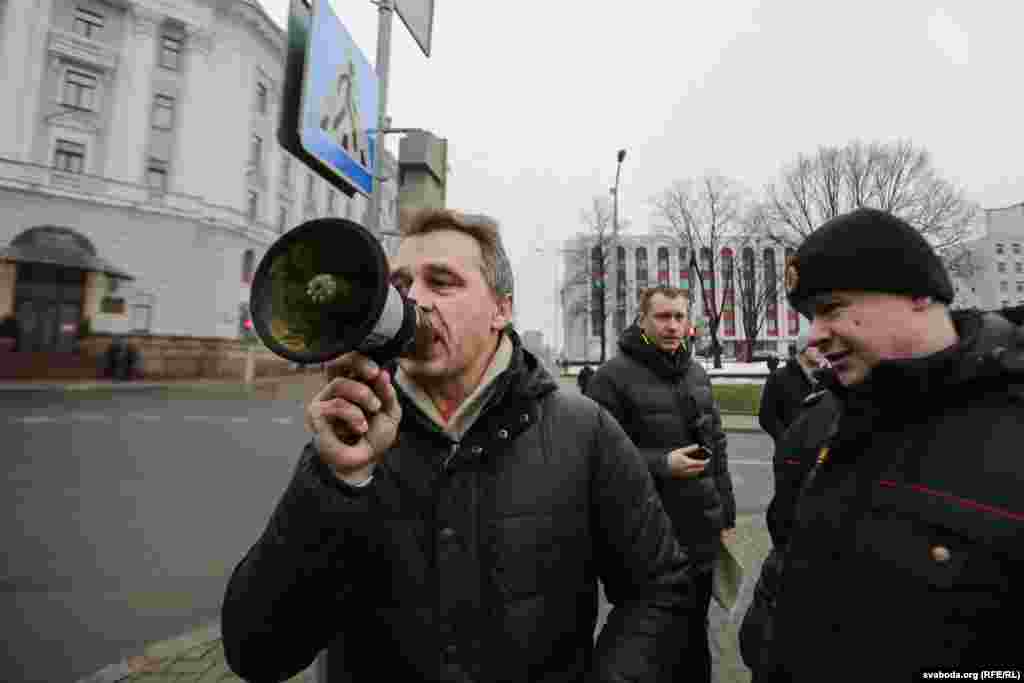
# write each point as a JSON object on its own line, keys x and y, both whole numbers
{"x": 455, "y": 510}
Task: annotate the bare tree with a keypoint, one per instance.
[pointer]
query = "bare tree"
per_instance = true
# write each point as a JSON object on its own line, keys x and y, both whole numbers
{"x": 704, "y": 215}
{"x": 757, "y": 278}
{"x": 588, "y": 269}
{"x": 895, "y": 177}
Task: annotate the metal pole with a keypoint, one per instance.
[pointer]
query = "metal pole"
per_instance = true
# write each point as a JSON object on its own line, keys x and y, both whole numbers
{"x": 385, "y": 11}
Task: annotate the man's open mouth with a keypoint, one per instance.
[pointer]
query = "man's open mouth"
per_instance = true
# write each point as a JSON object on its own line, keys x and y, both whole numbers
{"x": 834, "y": 358}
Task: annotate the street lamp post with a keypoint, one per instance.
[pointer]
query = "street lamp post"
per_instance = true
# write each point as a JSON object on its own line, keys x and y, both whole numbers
{"x": 554, "y": 302}
{"x": 620, "y": 157}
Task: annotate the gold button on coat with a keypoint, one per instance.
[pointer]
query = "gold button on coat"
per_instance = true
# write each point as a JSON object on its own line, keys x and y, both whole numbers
{"x": 940, "y": 553}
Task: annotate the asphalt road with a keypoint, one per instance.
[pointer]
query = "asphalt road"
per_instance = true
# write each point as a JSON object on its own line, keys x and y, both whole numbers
{"x": 125, "y": 514}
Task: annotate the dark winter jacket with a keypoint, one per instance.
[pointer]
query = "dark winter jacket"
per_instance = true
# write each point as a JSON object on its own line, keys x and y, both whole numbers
{"x": 907, "y": 551}
{"x": 471, "y": 561}
{"x": 782, "y": 398}
{"x": 664, "y": 402}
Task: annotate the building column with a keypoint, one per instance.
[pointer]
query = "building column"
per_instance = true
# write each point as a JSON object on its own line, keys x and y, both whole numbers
{"x": 8, "y": 279}
{"x": 190, "y": 165}
{"x": 94, "y": 290}
{"x": 24, "y": 40}
{"x": 133, "y": 100}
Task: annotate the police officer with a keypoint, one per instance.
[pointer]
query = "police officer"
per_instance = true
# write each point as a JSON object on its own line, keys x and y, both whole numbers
{"x": 907, "y": 548}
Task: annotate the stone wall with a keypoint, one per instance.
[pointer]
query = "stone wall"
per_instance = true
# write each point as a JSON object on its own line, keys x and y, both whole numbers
{"x": 163, "y": 358}
{"x": 176, "y": 357}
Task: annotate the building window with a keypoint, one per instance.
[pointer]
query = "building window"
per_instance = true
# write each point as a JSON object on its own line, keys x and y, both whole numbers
{"x": 79, "y": 90}
{"x": 1020, "y": 267}
{"x": 248, "y": 266}
{"x": 156, "y": 175}
{"x": 69, "y": 156}
{"x": 728, "y": 310}
{"x": 1001, "y": 267}
{"x": 113, "y": 305}
{"x": 309, "y": 187}
{"x": 261, "y": 98}
{"x": 1006, "y": 302}
{"x": 142, "y": 315}
{"x": 1016, "y": 248}
{"x": 663, "y": 277}
{"x": 88, "y": 23}
{"x": 170, "y": 49}
{"x": 1004, "y": 286}
{"x": 163, "y": 112}
{"x": 641, "y": 271}
{"x": 282, "y": 219}
{"x": 254, "y": 206}
{"x": 684, "y": 269}
{"x": 999, "y": 248}
{"x": 1020, "y": 287}
{"x": 256, "y": 151}
{"x": 332, "y": 201}
{"x": 286, "y": 171}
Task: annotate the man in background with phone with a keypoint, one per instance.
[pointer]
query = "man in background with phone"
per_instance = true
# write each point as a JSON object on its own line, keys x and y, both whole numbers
{"x": 662, "y": 398}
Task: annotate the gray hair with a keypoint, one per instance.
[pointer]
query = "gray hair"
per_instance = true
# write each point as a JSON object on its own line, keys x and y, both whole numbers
{"x": 497, "y": 270}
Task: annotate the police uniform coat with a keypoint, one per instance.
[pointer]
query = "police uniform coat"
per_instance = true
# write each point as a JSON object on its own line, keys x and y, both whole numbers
{"x": 907, "y": 548}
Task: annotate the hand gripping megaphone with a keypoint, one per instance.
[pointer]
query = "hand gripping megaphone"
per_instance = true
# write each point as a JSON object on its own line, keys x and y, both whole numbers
{"x": 323, "y": 289}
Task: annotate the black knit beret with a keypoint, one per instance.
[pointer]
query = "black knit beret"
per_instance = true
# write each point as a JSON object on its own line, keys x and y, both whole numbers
{"x": 866, "y": 250}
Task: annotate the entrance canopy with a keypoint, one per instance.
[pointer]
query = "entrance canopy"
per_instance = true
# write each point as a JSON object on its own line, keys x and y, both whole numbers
{"x": 53, "y": 245}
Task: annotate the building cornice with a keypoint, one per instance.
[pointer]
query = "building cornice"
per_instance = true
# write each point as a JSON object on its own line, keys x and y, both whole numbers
{"x": 254, "y": 17}
{"x": 44, "y": 181}
{"x": 75, "y": 48}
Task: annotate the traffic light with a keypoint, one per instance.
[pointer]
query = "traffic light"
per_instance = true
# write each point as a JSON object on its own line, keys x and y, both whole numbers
{"x": 246, "y": 329}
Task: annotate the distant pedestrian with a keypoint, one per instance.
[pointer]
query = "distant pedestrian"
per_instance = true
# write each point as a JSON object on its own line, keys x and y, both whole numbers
{"x": 784, "y": 392}
{"x": 663, "y": 400}
{"x": 583, "y": 378}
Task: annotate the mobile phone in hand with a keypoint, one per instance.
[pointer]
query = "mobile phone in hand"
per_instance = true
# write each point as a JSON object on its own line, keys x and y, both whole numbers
{"x": 703, "y": 453}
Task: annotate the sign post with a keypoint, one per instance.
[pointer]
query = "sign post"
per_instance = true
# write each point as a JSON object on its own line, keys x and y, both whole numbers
{"x": 330, "y": 100}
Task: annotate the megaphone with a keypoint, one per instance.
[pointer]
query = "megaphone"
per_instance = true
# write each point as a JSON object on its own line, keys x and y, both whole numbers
{"x": 322, "y": 289}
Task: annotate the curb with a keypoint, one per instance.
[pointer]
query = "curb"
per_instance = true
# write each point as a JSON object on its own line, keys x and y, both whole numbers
{"x": 155, "y": 655}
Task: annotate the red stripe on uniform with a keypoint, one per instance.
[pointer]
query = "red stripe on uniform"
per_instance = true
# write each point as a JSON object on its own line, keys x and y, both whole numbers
{"x": 789, "y": 461}
{"x": 966, "y": 502}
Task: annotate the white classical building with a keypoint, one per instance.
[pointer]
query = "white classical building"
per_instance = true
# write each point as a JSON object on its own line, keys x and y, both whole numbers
{"x": 642, "y": 261}
{"x": 138, "y": 138}
{"x": 999, "y": 254}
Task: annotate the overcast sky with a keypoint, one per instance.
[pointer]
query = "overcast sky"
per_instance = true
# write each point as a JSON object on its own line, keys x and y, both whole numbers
{"x": 536, "y": 96}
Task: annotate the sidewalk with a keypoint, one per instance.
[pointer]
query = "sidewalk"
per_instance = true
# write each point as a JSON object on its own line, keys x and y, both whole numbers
{"x": 198, "y": 656}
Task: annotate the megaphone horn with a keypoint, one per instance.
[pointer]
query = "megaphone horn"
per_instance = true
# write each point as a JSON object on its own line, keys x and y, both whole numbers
{"x": 322, "y": 289}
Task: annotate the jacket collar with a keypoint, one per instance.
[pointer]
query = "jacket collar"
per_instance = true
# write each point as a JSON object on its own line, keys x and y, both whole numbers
{"x": 666, "y": 365}
{"x": 514, "y": 374}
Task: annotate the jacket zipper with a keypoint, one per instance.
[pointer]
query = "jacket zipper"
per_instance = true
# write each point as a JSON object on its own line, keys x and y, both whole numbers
{"x": 451, "y": 454}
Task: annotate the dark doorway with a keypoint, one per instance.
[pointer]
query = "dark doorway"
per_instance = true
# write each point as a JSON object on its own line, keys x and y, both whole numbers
{"x": 48, "y": 304}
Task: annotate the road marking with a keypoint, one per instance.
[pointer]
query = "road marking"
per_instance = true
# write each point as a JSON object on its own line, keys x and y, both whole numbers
{"x": 35, "y": 419}
{"x": 283, "y": 420}
{"x": 740, "y": 461}
{"x": 198, "y": 418}
{"x": 145, "y": 418}
{"x": 91, "y": 417}
{"x": 239, "y": 419}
